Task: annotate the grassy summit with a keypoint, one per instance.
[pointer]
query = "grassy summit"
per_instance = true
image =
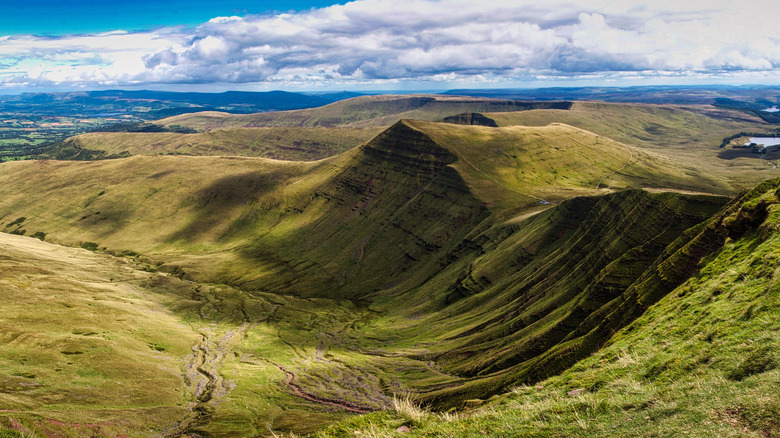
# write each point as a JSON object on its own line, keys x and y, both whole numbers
{"x": 683, "y": 134}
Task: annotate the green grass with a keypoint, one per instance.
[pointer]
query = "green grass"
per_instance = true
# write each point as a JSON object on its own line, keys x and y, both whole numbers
{"x": 701, "y": 362}
{"x": 558, "y": 161}
{"x": 76, "y": 330}
{"x": 299, "y": 144}
{"x": 688, "y": 136}
{"x": 363, "y": 111}
{"x": 419, "y": 264}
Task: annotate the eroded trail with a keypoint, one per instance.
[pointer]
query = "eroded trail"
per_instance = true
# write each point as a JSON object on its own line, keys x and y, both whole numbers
{"x": 296, "y": 390}
{"x": 630, "y": 158}
{"x": 201, "y": 374}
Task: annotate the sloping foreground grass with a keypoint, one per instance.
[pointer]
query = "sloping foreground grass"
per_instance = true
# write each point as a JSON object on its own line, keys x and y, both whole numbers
{"x": 92, "y": 346}
{"x": 702, "y": 362}
{"x": 86, "y": 349}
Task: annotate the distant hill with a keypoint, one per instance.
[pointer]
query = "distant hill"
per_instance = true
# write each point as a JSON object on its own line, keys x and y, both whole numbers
{"x": 669, "y": 94}
{"x": 148, "y": 105}
{"x": 685, "y": 134}
{"x": 284, "y": 143}
{"x": 362, "y": 111}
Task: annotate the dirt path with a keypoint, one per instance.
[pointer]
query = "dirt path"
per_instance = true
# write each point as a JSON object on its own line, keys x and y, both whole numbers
{"x": 201, "y": 373}
{"x": 630, "y": 158}
{"x": 296, "y": 390}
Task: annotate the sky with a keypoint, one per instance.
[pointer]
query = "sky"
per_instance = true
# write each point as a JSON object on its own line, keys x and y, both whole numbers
{"x": 218, "y": 45}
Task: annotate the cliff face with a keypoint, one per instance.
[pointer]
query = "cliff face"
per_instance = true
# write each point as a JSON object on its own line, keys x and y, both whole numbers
{"x": 471, "y": 119}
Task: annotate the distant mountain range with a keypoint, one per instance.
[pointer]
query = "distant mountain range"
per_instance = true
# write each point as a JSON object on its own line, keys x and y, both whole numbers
{"x": 155, "y": 104}
{"x": 662, "y": 94}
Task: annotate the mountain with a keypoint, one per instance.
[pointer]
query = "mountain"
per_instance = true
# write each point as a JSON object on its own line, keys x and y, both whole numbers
{"x": 297, "y": 135}
{"x": 214, "y": 203}
{"x": 451, "y": 262}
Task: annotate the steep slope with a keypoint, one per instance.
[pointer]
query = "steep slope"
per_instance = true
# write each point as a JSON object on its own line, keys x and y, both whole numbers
{"x": 406, "y": 197}
{"x": 253, "y": 222}
{"x": 471, "y": 119}
{"x": 361, "y": 111}
{"x": 702, "y": 361}
{"x": 519, "y": 302}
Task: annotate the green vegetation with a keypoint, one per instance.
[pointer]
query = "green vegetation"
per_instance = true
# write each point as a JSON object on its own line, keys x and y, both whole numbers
{"x": 300, "y": 144}
{"x": 31, "y": 122}
{"x": 75, "y": 329}
{"x": 701, "y": 362}
{"x": 436, "y": 265}
{"x": 363, "y": 111}
{"x": 683, "y": 135}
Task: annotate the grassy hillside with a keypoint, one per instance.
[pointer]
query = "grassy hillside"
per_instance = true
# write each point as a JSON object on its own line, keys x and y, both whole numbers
{"x": 684, "y": 134}
{"x": 86, "y": 345}
{"x": 703, "y": 361}
{"x": 298, "y": 144}
{"x": 418, "y": 262}
{"x": 525, "y": 300}
{"x": 96, "y": 345}
{"x": 360, "y": 112}
{"x": 558, "y": 161}
{"x": 413, "y": 189}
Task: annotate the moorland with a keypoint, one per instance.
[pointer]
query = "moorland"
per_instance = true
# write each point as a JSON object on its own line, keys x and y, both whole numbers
{"x": 417, "y": 265}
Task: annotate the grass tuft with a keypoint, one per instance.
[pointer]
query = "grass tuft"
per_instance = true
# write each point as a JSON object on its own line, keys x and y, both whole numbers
{"x": 409, "y": 410}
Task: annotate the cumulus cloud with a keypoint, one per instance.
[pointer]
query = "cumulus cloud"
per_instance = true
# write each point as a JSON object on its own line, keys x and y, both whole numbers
{"x": 391, "y": 41}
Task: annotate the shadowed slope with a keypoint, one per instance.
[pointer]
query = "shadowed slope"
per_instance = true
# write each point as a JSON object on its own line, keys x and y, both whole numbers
{"x": 514, "y": 298}
{"x": 321, "y": 228}
{"x": 317, "y": 228}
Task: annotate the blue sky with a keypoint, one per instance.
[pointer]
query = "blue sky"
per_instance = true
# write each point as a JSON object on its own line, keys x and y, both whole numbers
{"x": 219, "y": 45}
{"x": 62, "y": 17}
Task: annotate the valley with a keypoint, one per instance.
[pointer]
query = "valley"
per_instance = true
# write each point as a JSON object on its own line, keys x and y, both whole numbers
{"x": 302, "y": 271}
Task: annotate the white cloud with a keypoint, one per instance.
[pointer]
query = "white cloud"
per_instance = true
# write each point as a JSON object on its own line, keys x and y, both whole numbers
{"x": 391, "y": 41}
